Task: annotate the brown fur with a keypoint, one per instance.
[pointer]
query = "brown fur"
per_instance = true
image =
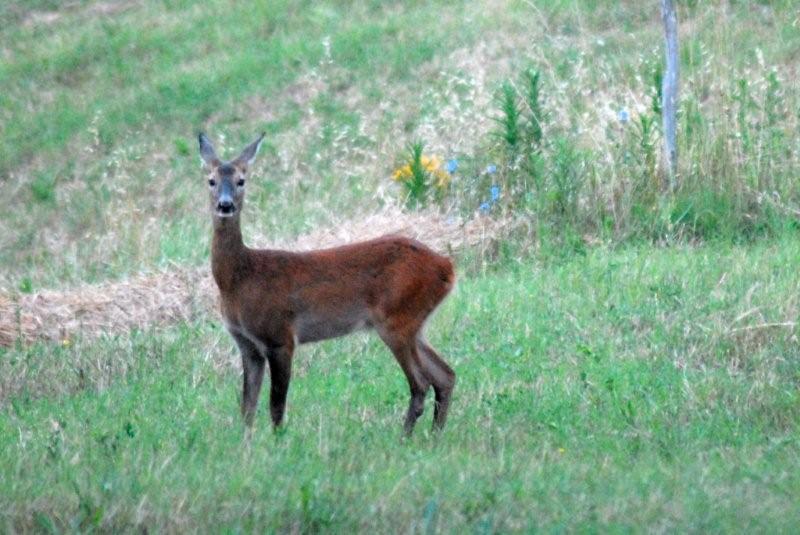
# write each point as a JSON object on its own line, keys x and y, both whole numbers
{"x": 273, "y": 300}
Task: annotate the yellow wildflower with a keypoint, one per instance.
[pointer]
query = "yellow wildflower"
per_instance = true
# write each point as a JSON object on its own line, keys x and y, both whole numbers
{"x": 430, "y": 163}
{"x": 402, "y": 173}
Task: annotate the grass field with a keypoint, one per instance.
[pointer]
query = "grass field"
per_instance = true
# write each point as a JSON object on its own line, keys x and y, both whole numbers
{"x": 604, "y": 392}
{"x": 627, "y": 358}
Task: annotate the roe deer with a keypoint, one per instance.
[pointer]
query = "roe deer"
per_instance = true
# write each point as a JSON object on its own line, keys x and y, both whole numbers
{"x": 273, "y": 300}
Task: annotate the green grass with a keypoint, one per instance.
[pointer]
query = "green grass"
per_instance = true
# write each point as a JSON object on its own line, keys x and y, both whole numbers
{"x": 627, "y": 359}
{"x": 100, "y": 102}
{"x": 106, "y": 109}
{"x": 632, "y": 389}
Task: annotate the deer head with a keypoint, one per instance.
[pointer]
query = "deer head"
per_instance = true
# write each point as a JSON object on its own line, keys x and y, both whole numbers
{"x": 226, "y": 180}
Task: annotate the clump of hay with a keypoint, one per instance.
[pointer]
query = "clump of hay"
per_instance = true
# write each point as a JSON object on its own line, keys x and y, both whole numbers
{"x": 137, "y": 302}
{"x": 184, "y": 294}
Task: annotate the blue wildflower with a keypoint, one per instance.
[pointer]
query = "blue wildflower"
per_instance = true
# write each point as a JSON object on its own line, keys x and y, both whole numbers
{"x": 491, "y": 169}
{"x": 623, "y": 115}
{"x": 494, "y": 193}
{"x": 484, "y": 207}
{"x": 452, "y": 166}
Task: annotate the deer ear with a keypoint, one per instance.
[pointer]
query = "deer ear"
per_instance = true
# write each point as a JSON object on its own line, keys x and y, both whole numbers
{"x": 248, "y": 155}
{"x": 207, "y": 154}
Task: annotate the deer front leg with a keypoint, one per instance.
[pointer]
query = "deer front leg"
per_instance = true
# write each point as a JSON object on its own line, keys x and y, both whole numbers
{"x": 253, "y": 365}
{"x": 280, "y": 369}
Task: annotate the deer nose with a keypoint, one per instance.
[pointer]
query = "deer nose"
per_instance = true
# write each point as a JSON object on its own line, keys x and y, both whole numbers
{"x": 225, "y": 206}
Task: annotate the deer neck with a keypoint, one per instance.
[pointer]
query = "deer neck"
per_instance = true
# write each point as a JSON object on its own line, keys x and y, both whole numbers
{"x": 229, "y": 261}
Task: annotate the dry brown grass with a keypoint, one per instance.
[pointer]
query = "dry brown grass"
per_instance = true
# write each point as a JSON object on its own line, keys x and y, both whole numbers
{"x": 184, "y": 293}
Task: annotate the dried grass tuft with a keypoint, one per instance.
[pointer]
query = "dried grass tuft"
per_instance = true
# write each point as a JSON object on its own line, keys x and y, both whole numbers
{"x": 183, "y": 294}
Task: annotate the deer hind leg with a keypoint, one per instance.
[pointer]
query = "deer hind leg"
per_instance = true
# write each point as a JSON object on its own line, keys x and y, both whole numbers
{"x": 443, "y": 379}
{"x": 406, "y": 353}
{"x": 253, "y": 365}
{"x": 280, "y": 370}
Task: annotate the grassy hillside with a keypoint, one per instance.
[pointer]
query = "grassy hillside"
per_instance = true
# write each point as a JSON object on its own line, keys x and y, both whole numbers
{"x": 101, "y": 100}
{"x": 627, "y": 354}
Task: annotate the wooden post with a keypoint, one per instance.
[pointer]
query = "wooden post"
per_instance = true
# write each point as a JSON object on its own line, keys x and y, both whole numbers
{"x": 669, "y": 89}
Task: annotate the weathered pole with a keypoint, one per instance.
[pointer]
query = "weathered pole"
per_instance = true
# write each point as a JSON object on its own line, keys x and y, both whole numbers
{"x": 669, "y": 89}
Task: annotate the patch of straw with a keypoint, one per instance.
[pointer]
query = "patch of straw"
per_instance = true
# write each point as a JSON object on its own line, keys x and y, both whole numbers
{"x": 182, "y": 294}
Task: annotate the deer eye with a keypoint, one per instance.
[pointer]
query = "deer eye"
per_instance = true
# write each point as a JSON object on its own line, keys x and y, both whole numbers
{"x": 240, "y": 183}
{"x": 212, "y": 182}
